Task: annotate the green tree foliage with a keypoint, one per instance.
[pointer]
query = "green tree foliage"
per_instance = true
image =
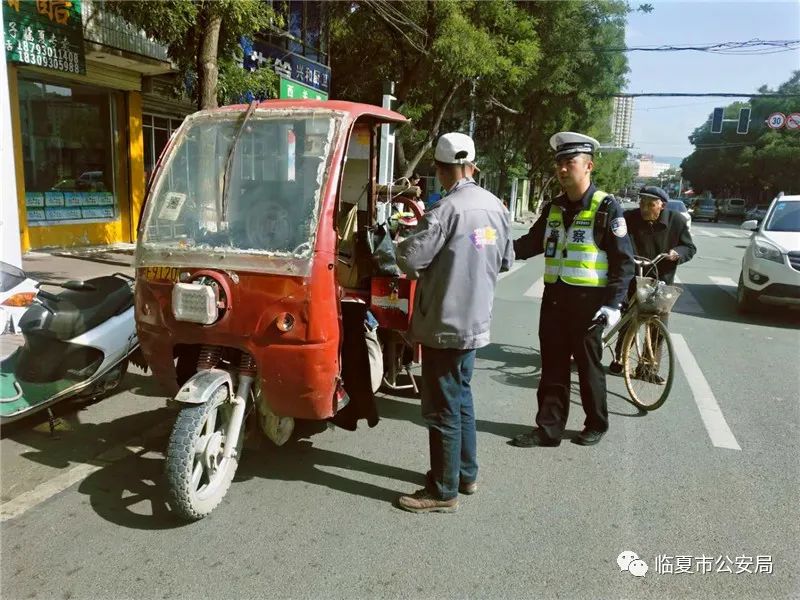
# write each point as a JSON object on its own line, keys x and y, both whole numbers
{"x": 561, "y": 94}
{"x": 756, "y": 165}
{"x": 202, "y": 38}
{"x": 433, "y": 50}
{"x": 612, "y": 171}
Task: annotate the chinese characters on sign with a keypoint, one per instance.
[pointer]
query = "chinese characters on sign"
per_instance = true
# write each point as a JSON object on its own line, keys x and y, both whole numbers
{"x": 687, "y": 565}
{"x": 44, "y": 33}
{"x": 290, "y": 89}
{"x": 287, "y": 65}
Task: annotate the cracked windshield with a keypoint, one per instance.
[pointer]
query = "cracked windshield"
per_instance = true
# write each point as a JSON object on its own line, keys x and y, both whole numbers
{"x": 400, "y": 299}
{"x": 231, "y": 184}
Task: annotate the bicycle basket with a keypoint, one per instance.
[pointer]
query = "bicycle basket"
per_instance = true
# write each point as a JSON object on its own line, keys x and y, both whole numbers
{"x": 655, "y": 297}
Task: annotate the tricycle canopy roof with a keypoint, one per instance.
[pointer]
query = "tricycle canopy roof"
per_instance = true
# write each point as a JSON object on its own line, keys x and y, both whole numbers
{"x": 355, "y": 110}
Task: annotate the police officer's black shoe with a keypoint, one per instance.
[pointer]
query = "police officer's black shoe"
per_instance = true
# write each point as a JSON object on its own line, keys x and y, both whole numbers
{"x": 615, "y": 368}
{"x": 535, "y": 437}
{"x": 589, "y": 437}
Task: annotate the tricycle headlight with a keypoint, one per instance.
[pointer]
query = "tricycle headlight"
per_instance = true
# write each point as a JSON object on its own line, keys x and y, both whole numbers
{"x": 767, "y": 251}
{"x": 194, "y": 302}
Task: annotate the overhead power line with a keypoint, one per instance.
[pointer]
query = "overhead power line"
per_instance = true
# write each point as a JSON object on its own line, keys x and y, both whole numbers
{"x": 691, "y": 95}
{"x": 749, "y": 47}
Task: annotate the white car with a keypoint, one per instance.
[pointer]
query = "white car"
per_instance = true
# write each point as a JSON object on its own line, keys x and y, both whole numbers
{"x": 771, "y": 264}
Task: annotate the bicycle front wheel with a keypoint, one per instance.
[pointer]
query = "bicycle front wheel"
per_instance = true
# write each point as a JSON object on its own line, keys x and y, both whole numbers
{"x": 648, "y": 362}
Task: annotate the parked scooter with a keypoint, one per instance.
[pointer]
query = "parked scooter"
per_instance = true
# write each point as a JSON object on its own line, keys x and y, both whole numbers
{"x": 17, "y": 292}
{"x": 77, "y": 345}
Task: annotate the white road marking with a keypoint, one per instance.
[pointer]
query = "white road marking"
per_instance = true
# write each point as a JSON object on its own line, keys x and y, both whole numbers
{"x": 24, "y": 502}
{"x": 713, "y": 419}
{"x": 706, "y": 232}
{"x": 536, "y": 290}
{"x": 726, "y": 284}
{"x": 47, "y": 489}
{"x": 514, "y": 267}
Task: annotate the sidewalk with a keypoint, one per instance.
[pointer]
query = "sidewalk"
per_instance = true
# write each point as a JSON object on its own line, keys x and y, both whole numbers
{"x": 78, "y": 263}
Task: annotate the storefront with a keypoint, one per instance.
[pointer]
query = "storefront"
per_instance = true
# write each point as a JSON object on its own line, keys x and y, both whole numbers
{"x": 81, "y": 139}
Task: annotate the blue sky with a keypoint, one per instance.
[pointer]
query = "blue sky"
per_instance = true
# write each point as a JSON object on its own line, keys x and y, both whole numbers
{"x": 661, "y": 125}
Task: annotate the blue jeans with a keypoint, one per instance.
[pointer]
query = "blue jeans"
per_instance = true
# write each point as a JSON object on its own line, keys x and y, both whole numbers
{"x": 448, "y": 410}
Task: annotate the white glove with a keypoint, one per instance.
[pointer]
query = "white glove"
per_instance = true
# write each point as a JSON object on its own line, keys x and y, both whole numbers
{"x": 612, "y": 315}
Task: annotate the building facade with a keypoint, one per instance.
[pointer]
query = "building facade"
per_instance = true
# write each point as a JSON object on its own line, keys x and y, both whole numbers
{"x": 93, "y": 104}
{"x": 621, "y": 121}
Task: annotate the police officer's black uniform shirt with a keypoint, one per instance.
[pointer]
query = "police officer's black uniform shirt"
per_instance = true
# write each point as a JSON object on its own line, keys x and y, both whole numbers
{"x": 618, "y": 248}
{"x": 669, "y": 232}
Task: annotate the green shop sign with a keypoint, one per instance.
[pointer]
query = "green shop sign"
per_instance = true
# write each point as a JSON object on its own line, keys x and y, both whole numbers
{"x": 44, "y": 33}
{"x": 296, "y": 91}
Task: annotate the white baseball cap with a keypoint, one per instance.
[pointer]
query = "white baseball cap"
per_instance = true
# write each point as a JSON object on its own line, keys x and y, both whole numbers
{"x": 455, "y": 149}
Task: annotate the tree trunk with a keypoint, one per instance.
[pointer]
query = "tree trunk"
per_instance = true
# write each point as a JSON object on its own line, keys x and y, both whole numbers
{"x": 433, "y": 132}
{"x": 208, "y": 73}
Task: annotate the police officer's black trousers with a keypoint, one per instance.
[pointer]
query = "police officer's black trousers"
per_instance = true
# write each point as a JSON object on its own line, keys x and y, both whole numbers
{"x": 564, "y": 323}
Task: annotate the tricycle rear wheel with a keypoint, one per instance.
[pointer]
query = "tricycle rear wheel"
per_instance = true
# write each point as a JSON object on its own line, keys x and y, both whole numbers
{"x": 198, "y": 476}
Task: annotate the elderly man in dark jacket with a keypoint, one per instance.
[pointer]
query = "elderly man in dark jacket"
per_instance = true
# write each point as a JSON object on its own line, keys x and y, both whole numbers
{"x": 655, "y": 230}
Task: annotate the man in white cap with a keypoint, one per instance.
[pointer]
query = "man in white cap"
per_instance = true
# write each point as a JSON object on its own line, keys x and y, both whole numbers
{"x": 588, "y": 266}
{"x": 456, "y": 252}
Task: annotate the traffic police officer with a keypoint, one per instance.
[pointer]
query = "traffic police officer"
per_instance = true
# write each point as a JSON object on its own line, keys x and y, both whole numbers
{"x": 588, "y": 266}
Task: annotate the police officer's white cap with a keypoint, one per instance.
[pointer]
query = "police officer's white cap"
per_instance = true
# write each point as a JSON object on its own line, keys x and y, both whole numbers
{"x": 566, "y": 143}
{"x": 455, "y": 149}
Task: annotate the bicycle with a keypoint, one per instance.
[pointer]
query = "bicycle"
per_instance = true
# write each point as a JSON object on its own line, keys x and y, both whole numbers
{"x": 646, "y": 338}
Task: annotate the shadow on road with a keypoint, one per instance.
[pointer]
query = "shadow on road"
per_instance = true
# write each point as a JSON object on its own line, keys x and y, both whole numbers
{"x": 719, "y": 305}
{"x": 131, "y": 492}
{"x": 519, "y": 366}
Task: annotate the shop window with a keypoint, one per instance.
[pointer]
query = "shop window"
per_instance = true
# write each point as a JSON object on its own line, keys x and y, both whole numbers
{"x": 68, "y": 153}
{"x": 156, "y": 130}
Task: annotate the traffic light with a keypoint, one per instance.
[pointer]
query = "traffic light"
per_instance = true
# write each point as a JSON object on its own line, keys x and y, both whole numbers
{"x": 716, "y": 120}
{"x": 744, "y": 121}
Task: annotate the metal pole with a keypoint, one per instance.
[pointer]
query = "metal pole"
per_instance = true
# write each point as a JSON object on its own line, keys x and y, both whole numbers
{"x": 386, "y": 165}
{"x": 472, "y": 111}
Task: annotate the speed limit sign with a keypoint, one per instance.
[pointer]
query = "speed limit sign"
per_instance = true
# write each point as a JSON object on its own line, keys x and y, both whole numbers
{"x": 776, "y": 120}
{"x": 793, "y": 121}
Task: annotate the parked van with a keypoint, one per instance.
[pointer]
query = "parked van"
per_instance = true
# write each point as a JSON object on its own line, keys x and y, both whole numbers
{"x": 733, "y": 207}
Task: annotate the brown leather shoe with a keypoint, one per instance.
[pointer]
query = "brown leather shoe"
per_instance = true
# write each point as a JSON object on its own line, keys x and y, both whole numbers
{"x": 422, "y": 501}
{"x": 468, "y": 488}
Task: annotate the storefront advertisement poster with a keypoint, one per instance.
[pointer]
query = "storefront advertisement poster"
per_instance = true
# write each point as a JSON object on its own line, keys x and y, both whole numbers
{"x": 54, "y": 198}
{"x": 72, "y": 198}
{"x": 62, "y": 214}
{"x": 45, "y": 33}
{"x": 36, "y": 215}
{"x": 100, "y": 212}
{"x": 34, "y": 199}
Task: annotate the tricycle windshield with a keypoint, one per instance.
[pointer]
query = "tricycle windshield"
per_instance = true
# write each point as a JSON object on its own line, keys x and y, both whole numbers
{"x": 241, "y": 191}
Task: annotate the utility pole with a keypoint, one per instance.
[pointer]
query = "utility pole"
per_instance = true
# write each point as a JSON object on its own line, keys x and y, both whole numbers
{"x": 472, "y": 111}
{"x": 386, "y": 166}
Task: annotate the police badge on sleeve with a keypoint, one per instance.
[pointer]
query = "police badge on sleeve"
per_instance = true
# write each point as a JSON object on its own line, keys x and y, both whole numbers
{"x": 618, "y": 227}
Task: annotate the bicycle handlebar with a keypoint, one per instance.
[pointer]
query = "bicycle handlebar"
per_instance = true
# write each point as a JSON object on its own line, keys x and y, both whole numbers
{"x": 641, "y": 262}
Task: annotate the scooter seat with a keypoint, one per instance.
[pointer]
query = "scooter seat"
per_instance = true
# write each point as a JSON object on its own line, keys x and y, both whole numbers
{"x": 78, "y": 311}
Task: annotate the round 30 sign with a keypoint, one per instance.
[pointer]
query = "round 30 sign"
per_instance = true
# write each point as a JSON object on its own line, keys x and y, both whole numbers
{"x": 776, "y": 120}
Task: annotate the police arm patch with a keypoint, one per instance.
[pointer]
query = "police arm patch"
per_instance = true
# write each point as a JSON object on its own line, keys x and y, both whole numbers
{"x": 618, "y": 227}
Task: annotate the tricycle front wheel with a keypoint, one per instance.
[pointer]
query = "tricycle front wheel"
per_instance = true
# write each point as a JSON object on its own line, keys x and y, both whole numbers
{"x": 198, "y": 476}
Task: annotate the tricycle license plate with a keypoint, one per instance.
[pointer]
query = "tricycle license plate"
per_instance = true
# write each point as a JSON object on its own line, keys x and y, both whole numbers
{"x": 162, "y": 273}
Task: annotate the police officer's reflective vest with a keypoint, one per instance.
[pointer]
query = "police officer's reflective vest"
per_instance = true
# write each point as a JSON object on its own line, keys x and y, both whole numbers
{"x": 573, "y": 255}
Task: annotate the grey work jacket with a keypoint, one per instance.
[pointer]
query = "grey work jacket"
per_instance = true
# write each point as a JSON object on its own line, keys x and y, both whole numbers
{"x": 456, "y": 252}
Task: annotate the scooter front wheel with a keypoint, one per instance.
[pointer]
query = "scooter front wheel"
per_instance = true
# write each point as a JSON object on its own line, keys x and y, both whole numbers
{"x": 198, "y": 476}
